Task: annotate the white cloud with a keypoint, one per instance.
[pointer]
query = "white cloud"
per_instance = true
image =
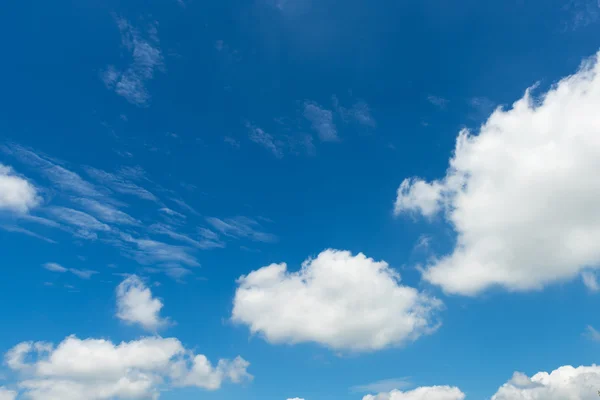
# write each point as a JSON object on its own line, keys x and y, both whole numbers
{"x": 6, "y": 394}
{"x": 321, "y": 121}
{"x": 522, "y": 194}
{"x": 566, "y": 382}
{"x": 146, "y": 57}
{"x": 54, "y": 267}
{"x": 136, "y": 305}
{"x": 339, "y": 300}
{"x": 16, "y": 193}
{"x": 421, "y": 393}
{"x": 97, "y": 369}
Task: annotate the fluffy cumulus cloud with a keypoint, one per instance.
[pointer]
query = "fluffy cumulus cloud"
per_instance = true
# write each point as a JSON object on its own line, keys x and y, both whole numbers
{"x": 340, "y": 300}
{"x": 16, "y": 193}
{"x": 97, "y": 369}
{"x": 522, "y": 195}
{"x": 564, "y": 383}
{"x": 136, "y": 305}
{"x": 421, "y": 393}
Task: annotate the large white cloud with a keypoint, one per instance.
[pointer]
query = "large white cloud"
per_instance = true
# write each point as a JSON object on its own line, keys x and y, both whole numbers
{"x": 421, "y": 393}
{"x": 136, "y": 305}
{"x": 16, "y": 193}
{"x": 522, "y": 195}
{"x": 564, "y": 383}
{"x": 97, "y": 369}
{"x": 339, "y": 300}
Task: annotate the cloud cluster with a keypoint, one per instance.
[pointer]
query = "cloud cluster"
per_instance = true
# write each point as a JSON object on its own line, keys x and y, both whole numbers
{"x": 17, "y": 194}
{"x": 522, "y": 194}
{"x": 340, "y": 300}
{"x": 566, "y": 382}
{"x": 97, "y": 369}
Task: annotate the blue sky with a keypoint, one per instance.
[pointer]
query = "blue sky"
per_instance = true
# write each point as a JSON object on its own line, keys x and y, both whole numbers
{"x": 281, "y": 199}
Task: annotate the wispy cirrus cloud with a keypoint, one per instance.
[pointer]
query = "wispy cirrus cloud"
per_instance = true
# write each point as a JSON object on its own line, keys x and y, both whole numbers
{"x": 61, "y": 177}
{"x": 581, "y": 13}
{"x": 106, "y": 212}
{"x": 266, "y": 140}
{"x": 80, "y": 273}
{"x": 146, "y": 57}
{"x": 204, "y": 243}
{"x": 120, "y": 184}
{"x": 24, "y": 231}
{"x": 360, "y": 112}
{"x": 153, "y": 252}
{"x": 438, "y": 101}
{"x": 78, "y": 218}
{"x": 321, "y": 121}
{"x": 241, "y": 227}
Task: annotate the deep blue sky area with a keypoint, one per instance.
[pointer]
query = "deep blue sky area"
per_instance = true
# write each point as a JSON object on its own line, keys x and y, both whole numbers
{"x": 237, "y": 134}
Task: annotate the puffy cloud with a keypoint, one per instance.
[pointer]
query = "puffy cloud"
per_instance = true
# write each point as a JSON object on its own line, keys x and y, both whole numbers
{"x": 566, "y": 382}
{"x": 136, "y": 305}
{"x": 97, "y": 369}
{"x": 339, "y": 300}
{"x": 421, "y": 393}
{"x": 16, "y": 193}
{"x": 6, "y": 394}
{"x": 522, "y": 194}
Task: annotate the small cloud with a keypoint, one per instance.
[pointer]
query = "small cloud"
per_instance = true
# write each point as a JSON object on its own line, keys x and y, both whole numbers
{"x": 581, "y": 13}
{"x": 590, "y": 280}
{"x": 423, "y": 242}
{"x": 171, "y": 213}
{"x": 232, "y": 142}
{"x": 592, "y": 333}
{"x": 83, "y": 274}
{"x": 266, "y": 140}
{"x": 54, "y": 267}
{"x": 17, "y": 194}
{"x": 137, "y": 305}
{"x": 321, "y": 120}
{"x": 438, "y": 101}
